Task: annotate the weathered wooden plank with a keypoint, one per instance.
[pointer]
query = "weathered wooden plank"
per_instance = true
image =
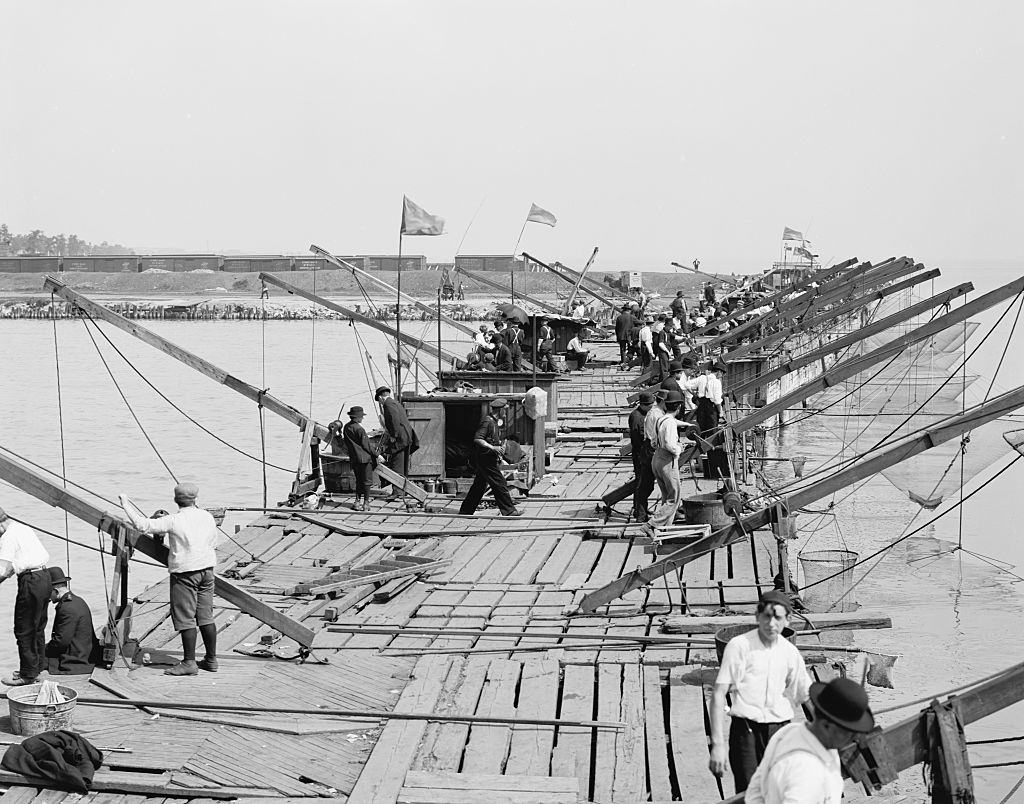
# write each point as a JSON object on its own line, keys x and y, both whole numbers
{"x": 443, "y": 743}
{"x": 383, "y": 774}
{"x": 629, "y": 755}
{"x": 488, "y": 745}
{"x": 530, "y": 752}
{"x": 571, "y": 756}
{"x": 609, "y": 693}
{"x": 657, "y": 746}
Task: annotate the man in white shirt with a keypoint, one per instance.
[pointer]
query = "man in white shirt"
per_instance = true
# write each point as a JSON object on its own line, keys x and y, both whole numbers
{"x": 191, "y": 537}
{"x": 577, "y": 351}
{"x": 23, "y": 555}
{"x": 665, "y": 462}
{"x": 801, "y": 763}
{"x": 483, "y": 341}
{"x": 645, "y": 338}
{"x": 710, "y": 400}
{"x": 764, "y": 676}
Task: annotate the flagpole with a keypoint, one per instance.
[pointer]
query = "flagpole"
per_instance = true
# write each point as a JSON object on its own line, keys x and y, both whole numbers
{"x": 398, "y": 323}
{"x": 512, "y": 269}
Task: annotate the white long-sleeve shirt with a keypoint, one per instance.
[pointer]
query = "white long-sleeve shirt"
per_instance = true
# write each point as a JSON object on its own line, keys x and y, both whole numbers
{"x": 668, "y": 434}
{"x": 191, "y": 537}
{"x": 709, "y": 386}
{"x": 20, "y": 550}
{"x": 654, "y": 415}
{"x": 646, "y": 339}
{"x": 482, "y": 341}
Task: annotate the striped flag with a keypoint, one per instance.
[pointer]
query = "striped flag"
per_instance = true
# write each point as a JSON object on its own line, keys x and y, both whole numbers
{"x": 417, "y": 221}
{"x": 791, "y": 234}
{"x": 540, "y": 215}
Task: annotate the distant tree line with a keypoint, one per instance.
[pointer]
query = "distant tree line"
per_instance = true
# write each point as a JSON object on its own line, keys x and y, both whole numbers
{"x": 38, "y": 242}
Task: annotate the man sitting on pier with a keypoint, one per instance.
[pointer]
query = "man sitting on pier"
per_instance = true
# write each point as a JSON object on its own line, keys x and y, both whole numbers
{"x": 765, "y": 676}
{"x": 73, "y": 648}
{"x": 577, "y": 351}
{"x": 502, "y": 354}
{"x": 191, "y": 536}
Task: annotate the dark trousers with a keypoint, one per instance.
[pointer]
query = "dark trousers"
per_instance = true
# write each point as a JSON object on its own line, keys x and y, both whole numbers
{"x": 706, "y": 417}
{"x": 30, "y": 608}
{"x": 399, "y": 461}
{"x": 644, "y": 485}
{"x": 623, "y": 351}
{"x": 579, "y": 357}
{"x": 545, "y": 361}
{"x": 517, "y": 357}
{"x": 747, "y": 741}
{"x": 662, "y": 365}
{"x": 364, "y": 478}
{"x": 487, "y": 474}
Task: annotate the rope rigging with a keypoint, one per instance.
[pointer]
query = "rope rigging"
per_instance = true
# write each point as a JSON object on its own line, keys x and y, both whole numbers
{"x": 60, "y": 421}
{"x": 172, "y": 404}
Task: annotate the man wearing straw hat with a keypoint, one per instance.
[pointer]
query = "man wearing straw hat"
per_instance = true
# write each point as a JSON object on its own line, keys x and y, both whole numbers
{"x": 191, "y": 538}
{"x": 801, "y": 762}
{"x": 764, "y": 675}
{"x": 23, "y": 555}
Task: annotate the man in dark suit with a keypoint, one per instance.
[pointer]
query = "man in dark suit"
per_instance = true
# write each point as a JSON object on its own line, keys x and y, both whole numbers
{"x": 624, "y": 325}
{"x": 502, "y": 354}
{"x": 402, "y": 439}
{"x": 362, "y": 456}
{"x": 73, "y": 646}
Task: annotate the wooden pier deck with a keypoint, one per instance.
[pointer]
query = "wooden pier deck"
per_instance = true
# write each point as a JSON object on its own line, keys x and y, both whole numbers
{"x": 485, "y": 629}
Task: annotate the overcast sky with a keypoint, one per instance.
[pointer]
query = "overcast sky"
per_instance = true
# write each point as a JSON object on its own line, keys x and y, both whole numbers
{"x": 657, "y": 131}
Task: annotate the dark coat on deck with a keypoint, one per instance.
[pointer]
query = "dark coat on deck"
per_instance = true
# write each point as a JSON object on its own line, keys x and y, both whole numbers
{"x": 73, "y": 647}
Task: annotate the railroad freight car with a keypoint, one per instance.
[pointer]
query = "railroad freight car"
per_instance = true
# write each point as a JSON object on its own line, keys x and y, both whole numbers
{"x": 181, "y": 263}
{"x": 253, "y": 265}
{"x": 384, "y": 262}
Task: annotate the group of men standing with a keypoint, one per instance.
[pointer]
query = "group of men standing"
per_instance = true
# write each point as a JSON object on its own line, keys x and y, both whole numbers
{"x": 689, "y": 398}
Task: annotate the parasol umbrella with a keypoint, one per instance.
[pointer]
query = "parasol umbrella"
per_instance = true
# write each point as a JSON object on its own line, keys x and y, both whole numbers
{"x": 512, "y": 311}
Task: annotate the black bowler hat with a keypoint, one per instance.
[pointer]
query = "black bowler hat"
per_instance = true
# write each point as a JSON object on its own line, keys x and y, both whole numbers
{"x": 57, "y": 576}
{"x": 646, "y": 398}
{"x": 382, "y": 390}
{"x": 845, "y": 703}
{"x": 675, "y": 366}
{"x": 356, "y": 410}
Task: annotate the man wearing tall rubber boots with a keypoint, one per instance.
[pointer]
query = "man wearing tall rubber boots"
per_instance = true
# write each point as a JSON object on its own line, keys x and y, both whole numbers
{"x": 22, "y": 555}
{"x": 191, "y": 537}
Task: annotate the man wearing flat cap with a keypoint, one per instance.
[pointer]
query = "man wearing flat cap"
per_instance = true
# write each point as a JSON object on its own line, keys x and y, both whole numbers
{"x": 191, "y": 537}
{"x": 361, "y": 455}
{"x": 488, "y": 449}
{"x": 73, "y": 647}
{"x": 765, "y": 677}
{"x": 22, "y": 555}
{"x": 801, "y": 762}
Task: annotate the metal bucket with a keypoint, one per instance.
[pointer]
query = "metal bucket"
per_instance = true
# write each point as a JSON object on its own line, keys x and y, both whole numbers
{"x": 706, "y": 509}
{"x": 832, "y": 594}
{"x": 450, "y": 486}
{"x": 723, "y": 635}
{"x": 29, "y": 718}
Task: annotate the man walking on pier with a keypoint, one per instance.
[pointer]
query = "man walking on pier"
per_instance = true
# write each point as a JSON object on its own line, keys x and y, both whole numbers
{"x": 765, "y": 677}
{"x": 402, "y": 438}
{"x": 624, "y": 324}
{"x": 191, "y": 536}
{"x": 489, "y": 448}
{"x": 665, "y": 462}
{"x": 23, "y": 555}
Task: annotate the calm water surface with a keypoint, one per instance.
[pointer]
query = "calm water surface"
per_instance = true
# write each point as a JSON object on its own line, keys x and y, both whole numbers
{"x": 955, "y": 617}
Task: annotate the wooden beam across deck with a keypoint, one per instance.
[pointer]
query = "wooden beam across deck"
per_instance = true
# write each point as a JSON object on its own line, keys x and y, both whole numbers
{"x": 854, "y": 366}
{"x": 842, "y": 268}
{"x": 270, "y": 402}
{"x": 49, "y": 492}
{"x": 853, "y": 338}
{"x": 900, "y": 451}
{"x": 831, "y": 314}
